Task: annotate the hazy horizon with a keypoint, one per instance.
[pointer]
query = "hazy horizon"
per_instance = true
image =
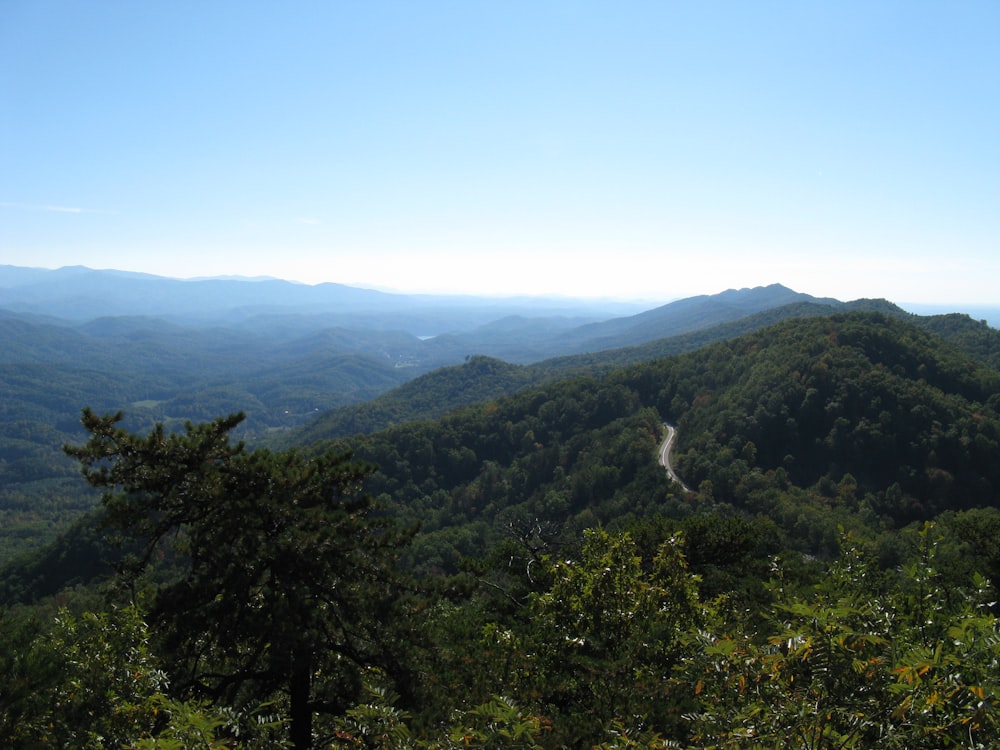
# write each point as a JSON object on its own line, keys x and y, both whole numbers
{"x": 645, "y": 151}
{"x": 990, "y": 312}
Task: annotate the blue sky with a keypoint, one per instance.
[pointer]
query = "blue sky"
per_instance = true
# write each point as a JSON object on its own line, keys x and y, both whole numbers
{"x": 649, "y": 150}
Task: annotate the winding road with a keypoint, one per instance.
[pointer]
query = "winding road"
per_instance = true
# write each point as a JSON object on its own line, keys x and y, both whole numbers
{"x": 665, "y": 448}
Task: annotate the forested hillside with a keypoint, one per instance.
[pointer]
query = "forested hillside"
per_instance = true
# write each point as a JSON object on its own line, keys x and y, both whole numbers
{"x": 441, "y": 391}
{"x": 863, "y": 413}
{"x": 521, "y": 571}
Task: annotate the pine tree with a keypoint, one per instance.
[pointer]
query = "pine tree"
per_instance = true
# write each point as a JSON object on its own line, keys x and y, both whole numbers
{"x": 279, "y": 580}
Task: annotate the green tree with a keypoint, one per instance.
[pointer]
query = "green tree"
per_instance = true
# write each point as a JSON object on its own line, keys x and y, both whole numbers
{"x": 92, "y": 680}
{"x": 855, "y": 663}
{"x": 280, "y": 575}
{"x": 606, "y": 634}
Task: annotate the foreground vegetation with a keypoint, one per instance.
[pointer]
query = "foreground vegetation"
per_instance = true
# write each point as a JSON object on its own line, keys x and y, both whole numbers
{"x": 522, "y": 573}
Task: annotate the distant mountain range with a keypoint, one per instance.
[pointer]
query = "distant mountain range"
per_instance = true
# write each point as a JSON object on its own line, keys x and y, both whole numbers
{"x": 79, "y": 293}
{"x": 522, "y": 340}
{"x": 76, "y": 315}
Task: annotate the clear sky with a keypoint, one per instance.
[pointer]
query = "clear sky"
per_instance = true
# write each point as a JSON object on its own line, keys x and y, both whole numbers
{"x": 649, "y": 150}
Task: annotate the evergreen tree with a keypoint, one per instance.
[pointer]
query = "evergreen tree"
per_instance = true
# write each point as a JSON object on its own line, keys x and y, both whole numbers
{"x": 279, "y": 578}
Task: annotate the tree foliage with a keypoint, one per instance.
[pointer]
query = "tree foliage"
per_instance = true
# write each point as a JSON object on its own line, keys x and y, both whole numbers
{"x": 847, "y": 665}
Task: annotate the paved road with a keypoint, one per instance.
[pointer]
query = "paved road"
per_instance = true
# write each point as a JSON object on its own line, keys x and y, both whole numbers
{"x": 665, "y": 448}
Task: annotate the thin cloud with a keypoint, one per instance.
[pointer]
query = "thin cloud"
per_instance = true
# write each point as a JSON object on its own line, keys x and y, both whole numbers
{"x": 54, "y": 209}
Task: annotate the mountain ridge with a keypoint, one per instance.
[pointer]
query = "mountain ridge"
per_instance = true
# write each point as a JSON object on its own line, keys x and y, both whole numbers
{"x": 407, "y": 403}
{"x": 79, "y": 292}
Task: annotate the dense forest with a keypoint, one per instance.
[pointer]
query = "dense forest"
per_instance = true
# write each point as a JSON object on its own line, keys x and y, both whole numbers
{"x": 286, "y": 367}
{"x": 168, "y": 351}
{"x": 518, "y": 570}
{"x": 444, "y": 389}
